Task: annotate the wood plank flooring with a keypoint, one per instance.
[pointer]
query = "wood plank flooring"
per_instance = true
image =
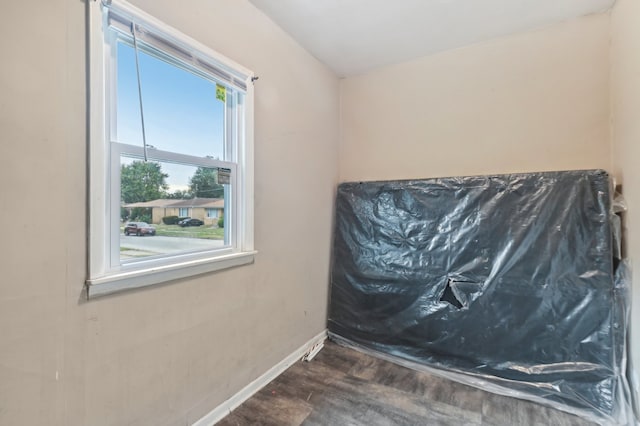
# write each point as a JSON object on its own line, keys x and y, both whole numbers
{"x": 344, "y": 387}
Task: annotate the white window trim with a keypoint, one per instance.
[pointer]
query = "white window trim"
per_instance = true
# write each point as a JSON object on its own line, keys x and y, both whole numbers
{"x": 102, "y": 278}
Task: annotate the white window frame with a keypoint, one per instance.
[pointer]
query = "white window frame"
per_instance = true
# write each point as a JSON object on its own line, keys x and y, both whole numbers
{"x": 104, "y": 275}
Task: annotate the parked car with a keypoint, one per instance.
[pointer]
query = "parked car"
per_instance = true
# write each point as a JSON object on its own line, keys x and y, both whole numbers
{"x": 182, "y": 219}
{"x": 191, "y": 222}
{"x": 139, "y": 229}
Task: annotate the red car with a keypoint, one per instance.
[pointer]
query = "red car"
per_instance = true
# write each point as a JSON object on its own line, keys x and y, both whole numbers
{"x": 139, "y": 229}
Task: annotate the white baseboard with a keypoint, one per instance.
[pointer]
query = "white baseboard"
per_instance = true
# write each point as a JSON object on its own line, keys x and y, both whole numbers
{"x": 232, "y": 403}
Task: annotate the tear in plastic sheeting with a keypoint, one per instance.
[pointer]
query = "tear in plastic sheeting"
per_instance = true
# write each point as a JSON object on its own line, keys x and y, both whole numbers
{"x": 505, "y": 282}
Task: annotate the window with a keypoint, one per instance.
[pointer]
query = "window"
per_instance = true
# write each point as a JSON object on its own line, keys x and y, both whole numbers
{"x": 171, "y": 135}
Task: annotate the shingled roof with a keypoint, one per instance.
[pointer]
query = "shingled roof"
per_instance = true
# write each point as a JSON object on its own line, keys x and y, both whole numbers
{"x": 211, "y": 203}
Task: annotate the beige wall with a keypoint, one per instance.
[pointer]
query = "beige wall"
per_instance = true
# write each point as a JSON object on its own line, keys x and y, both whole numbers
{"x": 528, "y": 102}
{"x": 625, "y": 96}
{"x": 169, "y": 354}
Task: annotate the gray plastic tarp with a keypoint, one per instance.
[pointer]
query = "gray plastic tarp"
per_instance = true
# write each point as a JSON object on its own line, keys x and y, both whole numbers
{"x": 506, "y": 280}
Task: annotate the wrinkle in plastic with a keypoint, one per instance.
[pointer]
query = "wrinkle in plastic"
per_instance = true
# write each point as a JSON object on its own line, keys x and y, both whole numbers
{"x": 505, "y": 282}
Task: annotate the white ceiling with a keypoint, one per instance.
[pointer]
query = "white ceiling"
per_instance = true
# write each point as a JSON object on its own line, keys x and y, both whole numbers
{"x": 356, "y": 36}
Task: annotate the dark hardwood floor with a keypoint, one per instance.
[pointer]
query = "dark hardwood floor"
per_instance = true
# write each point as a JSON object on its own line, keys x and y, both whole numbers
{"x": 341, "y": 386}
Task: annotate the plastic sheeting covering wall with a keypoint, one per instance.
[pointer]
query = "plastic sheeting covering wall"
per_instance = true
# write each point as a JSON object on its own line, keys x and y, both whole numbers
{"x": 505, "y": 282}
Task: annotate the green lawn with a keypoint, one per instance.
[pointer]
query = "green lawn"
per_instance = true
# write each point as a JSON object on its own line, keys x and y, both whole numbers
{"x": 204, "y": 231}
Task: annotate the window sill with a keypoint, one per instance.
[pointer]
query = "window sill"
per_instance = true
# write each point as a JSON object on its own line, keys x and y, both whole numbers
{"x": 123, "y": 281}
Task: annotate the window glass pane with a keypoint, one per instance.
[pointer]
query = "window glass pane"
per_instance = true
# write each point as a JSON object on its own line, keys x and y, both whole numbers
{"x": 128, "y": 123}
{"x": 181, "y": 111}
{"x": 156, "y": 196}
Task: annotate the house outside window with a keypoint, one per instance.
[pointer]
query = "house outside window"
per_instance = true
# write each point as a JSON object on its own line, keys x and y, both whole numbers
{"x": 152, "y": 142}
{"x": 212, "y": 213}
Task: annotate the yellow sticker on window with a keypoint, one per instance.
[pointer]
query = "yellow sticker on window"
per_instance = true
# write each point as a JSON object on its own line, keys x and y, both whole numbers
{"x": 221, "y": 93}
